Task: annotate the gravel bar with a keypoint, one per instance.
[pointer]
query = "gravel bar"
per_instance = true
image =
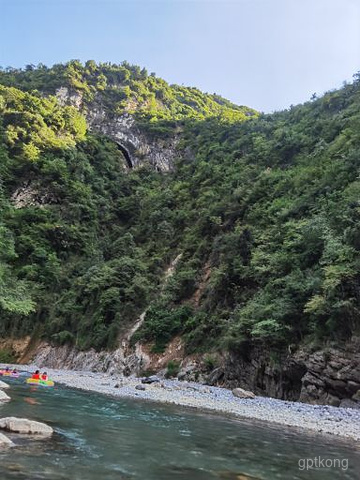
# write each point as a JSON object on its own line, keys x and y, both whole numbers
{"x": 344, "y": 422}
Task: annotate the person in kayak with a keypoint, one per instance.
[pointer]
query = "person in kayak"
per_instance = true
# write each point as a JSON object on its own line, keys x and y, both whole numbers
{"x": 44, "y": 376}
{"x": 36, "y": 375}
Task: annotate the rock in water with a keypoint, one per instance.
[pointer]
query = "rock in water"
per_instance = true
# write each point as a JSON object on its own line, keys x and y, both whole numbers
{"x": 3, "y": 385}
{"x": 5, "y": 441}
{"x": 23, "y": 425}
{"x": 240, "y": 393}
{"x": 4, "y": 397}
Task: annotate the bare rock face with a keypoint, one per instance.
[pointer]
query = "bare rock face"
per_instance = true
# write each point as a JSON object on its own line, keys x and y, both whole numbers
{"x": 3, "y": 385}
{"x": 5, "y": 441}
{"x": 138, "y": 146}
{"x": 240, "y": 393}
{"x": 66, "y": 96}
{"x": 23, "y": 425}
{"x": 326, "y": 376}
{"x": 333, "y": 376}
{"x": 4, "y": 397}
{"x": 31, "y": 193}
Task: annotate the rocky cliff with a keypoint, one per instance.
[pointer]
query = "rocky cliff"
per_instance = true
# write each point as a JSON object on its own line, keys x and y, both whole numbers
{"x": 137, "y": 145}
{"x": 324, "y": 376}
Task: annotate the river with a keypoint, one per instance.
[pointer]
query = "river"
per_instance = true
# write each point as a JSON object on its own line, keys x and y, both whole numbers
{"x": 98, "y": 437}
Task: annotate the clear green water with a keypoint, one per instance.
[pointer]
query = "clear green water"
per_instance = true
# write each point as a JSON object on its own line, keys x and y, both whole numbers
{"x": 100, "y": 438}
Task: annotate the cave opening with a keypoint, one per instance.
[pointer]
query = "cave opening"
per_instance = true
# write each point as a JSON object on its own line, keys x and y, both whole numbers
{"x": 126, "y": 155}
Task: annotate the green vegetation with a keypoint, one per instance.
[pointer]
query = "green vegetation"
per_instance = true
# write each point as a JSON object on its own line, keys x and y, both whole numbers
{"x": 6, "y": 356}
{"x": 266, "y": 213}
{"x": 173, "y": 369}
{"x": 128, "y": 88}
{"x": 32, "y": 124}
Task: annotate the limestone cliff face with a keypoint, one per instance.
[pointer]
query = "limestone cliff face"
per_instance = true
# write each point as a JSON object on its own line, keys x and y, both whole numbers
{"x": 138, "y": 146}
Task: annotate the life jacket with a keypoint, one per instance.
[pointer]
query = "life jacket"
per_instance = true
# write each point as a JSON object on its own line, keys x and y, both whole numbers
{"x": 44, "y": 377}
{"x": 36, "y": 376}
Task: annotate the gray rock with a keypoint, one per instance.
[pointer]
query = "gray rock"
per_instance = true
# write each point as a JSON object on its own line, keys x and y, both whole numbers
{"x": 3, "y": 385}
{"x": 215, "y": 376}
{"x": 240, "y": 393}
{"x": 332, "y": 400}
{"x": 134, "y": 142}
{"x": 349, "y": 404}
{"x": 151, "y": 379}
{"x": 5, "y": 441}
{"x": 140, "y": 387}
{"x": 356, "y": 397}
{"x": 4, "y": 397}
{"x": 23, "y": 425}
{"x": 352, "y": 386}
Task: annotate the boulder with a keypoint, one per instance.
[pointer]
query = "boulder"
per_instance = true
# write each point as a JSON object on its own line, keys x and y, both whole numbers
{"x": 3, "y": 385}
{"x": 4, "y": 397}
{"x": 151, "y": 379}
{"x": 140, "y": 387}
{"x": 5, "y": 441}
{"x": 23, "y": 425}
{"x": 240, "y": 393}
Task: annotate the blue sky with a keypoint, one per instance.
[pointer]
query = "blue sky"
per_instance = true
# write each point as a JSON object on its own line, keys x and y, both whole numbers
{"x": 267, "y": 54}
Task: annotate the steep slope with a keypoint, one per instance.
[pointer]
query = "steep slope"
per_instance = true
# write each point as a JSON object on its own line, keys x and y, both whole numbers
{"x": 140, "y": 112}
{"x": 264, "y": 210}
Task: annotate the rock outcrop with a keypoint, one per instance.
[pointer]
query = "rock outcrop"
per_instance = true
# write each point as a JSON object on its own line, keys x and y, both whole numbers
{"x": 3, "y": 385}
{"x": 138, "y": 146}
{"x": 4, "y": 397}
{"x": 330, "y": 376}
{"x": 25, "y": 426}
{"x": 123, "y": 360}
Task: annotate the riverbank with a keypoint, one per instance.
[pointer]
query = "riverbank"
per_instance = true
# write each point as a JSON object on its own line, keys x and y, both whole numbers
{"x": 343, "y": 422}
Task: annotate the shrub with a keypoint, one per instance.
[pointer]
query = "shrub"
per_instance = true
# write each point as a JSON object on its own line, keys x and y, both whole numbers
{"x": 210, "y": 362}
{"x": 173, "y": 368}
{"x": 7, "y": 356}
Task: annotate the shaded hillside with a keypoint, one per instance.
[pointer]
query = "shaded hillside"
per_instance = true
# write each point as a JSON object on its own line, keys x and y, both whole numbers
{"x": 264, "y": 209}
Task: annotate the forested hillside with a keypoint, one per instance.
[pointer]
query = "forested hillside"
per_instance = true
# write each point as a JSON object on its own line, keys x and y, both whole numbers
{"x": 265, "y": 210}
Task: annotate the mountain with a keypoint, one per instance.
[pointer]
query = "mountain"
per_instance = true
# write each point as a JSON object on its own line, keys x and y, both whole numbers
{"x": 109, "y": 174}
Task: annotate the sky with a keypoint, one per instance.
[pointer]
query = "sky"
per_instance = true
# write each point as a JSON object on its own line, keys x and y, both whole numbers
{"x": 266, "y": 54}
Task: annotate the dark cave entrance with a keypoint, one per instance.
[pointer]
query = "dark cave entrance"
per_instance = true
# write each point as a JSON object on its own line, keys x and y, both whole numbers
{"x": 126, "y": 155}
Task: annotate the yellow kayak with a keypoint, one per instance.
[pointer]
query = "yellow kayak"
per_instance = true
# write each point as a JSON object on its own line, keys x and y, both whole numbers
{"x": 43, "y": 383}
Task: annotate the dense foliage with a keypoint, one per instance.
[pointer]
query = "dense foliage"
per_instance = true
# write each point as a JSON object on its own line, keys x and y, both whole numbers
{"x": 266, "y": 214}
{"x": 125, "y": 87}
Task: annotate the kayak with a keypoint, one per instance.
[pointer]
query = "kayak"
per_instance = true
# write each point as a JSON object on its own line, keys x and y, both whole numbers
{"x": 42, "y": 383}
{"x": 10, "y": 374}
